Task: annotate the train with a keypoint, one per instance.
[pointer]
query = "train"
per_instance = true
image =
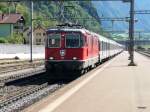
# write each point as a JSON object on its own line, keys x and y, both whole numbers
{"x": 77, "y": 49}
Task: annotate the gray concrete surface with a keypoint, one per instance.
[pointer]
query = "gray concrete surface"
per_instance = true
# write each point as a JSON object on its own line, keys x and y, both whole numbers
{"x": 118, "y": 88}
{"x": 115, "y": 88}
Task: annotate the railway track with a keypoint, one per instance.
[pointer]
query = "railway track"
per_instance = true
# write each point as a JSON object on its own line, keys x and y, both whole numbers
{"x": 146, "y": 53}
{"x": 4, "y": 61}
{"x": 12, "y": 76}
{"x": 10, "y": 61}
{"x": 17, "y": 95}
{"x": 18, "y": 65}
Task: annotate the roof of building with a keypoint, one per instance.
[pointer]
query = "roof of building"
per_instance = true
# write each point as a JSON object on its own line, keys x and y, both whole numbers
{"x": 39, "y": 26}
{"x": 28, "y": 29}
{"x": 68, "y": 30}
{"x": 10, "y": 18}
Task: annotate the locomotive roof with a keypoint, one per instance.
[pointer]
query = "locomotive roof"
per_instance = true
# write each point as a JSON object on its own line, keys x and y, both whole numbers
{"x": 67, "y": 30}
{"x": 101, "y": 38}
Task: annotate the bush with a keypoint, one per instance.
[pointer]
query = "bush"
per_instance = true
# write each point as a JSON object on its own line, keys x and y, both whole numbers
{"x": 16, "y": 39}
{"x": 3, "y": 40}
{"x": 140, "y": 48}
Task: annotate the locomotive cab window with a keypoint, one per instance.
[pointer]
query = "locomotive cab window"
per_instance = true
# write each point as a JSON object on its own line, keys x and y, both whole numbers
{"x": 54, "y": 40}
{"x": 74, "y": 40}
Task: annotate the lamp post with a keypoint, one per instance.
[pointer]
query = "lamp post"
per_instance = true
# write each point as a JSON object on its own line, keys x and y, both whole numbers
{"x": 131, "y": 34}
{"x": 31, "y": 38}
{"x": 131, "y": 29}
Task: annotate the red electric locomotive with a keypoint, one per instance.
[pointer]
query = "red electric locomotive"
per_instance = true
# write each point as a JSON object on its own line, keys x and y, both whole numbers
{"x": 74, "y": 49}
{"x": 77, "y": 50}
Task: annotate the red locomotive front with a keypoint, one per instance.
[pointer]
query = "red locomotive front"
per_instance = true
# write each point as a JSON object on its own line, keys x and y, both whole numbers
{"x": 66, "y": 49}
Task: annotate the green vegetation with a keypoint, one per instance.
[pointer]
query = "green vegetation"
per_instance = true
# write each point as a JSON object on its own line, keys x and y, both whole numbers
{"x": 45, "y": 10}
{"x": 3, "y": 40}
{"x": 78, "y": 10}
{"x": 15, "y": 39}
{"x": 23, "y": 9}
{"x": 5, "y": 9}
{"x": 119, "y": 37}
{"x": 143, "y": 46}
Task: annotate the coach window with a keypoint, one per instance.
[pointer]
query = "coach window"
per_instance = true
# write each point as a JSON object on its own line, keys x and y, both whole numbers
{"x": 73, "y": 40}
{"x": 85, "y": 42}
{"x": 54, "y": 40}
{"x": 103, "y": 46}
{"x": 82, "y": 41}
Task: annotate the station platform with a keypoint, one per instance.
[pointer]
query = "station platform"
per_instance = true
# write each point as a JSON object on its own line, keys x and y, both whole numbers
{"x": 114, "y": 87}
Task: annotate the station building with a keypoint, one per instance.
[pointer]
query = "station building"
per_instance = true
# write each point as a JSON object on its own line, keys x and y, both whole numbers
{"x": 10, "y": 23}
{"x": 39, "y": 35}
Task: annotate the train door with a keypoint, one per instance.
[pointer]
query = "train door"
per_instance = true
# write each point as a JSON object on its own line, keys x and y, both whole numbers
{"x": 102, "y": 50}
{"x": 109, "y": 49}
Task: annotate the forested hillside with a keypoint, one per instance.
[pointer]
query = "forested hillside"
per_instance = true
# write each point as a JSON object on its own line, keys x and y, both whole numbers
{"x": 45, "y": 10}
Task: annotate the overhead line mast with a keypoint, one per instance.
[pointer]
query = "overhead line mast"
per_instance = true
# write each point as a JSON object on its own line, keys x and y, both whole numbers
{"x": 131, "y": 29}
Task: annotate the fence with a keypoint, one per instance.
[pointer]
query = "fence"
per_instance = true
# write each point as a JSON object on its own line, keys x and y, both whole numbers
{"x": 19, "y": 48}
{"x": 21, "y": 51}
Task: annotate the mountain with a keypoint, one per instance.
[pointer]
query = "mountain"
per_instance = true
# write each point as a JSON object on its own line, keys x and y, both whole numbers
{"x": 120, "y": 9}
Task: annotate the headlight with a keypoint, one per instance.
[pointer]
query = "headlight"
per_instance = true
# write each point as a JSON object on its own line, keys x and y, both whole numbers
{"x": 74, "y": 58}
{"x": 51, "y": 58}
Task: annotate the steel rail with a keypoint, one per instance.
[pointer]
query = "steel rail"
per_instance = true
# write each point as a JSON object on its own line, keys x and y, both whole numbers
{"x": 145, "y": 53}
{"x": 5, "y": 68}
{"x": 6, "y": 79}
{"x": 5, "y": 102}
{"x": 12, "y": 61}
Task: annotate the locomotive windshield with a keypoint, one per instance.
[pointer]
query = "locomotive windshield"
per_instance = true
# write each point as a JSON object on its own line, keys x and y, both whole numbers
{"x": 54, "y": 40}
{"x": 73, "y": 40}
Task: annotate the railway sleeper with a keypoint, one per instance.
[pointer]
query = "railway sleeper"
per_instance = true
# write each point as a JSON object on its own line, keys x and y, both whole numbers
{"x": 19, "y": 96}
{"x": 14, "y": 77}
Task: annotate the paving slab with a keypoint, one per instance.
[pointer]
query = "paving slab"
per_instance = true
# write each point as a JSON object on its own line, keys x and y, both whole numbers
{"x": 115, "y": 88}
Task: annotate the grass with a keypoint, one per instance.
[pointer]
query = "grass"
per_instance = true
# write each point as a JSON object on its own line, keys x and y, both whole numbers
{"x": 144, "y": 46}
